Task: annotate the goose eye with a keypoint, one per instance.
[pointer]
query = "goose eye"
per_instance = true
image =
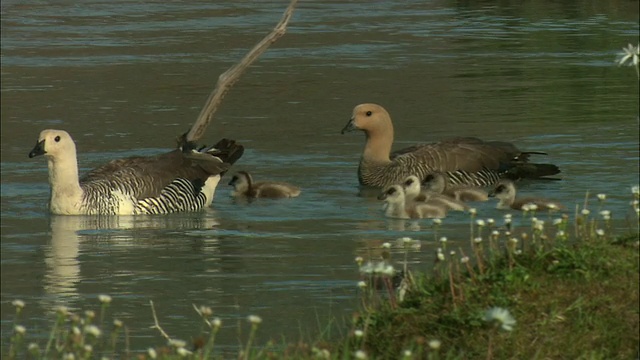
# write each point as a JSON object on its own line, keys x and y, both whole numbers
{"x": 57, "y": 139}
{"x": 428, "y": 178}
{"x": 391, "y": 191}
{"x": 368, "y": 113}
{"x": 500, "y": 188}
{"x": 408, "y": 182}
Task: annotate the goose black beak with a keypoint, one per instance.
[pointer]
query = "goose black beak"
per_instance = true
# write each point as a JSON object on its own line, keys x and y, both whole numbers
{"x": 233, "y": 181}
{"x": 492, "y": 193}
{"x": 351, "y": 126}
{"x": 38, "y": 149}
{"x": 382, "y": 196}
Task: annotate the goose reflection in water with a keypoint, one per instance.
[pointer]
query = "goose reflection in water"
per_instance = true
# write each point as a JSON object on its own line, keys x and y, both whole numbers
{"x": 72, "y": 236}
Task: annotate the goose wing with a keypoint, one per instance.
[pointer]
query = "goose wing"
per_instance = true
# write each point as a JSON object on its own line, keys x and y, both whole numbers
{"x": 463, "y": 153}
{"x": 143, "y": 177}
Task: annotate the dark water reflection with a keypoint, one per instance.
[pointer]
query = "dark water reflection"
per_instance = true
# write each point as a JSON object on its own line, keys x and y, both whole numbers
{"x": 126, "y": 77}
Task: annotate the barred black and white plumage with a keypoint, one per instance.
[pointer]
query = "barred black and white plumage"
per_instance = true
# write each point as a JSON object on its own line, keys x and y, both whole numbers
{"x": 184, "y": 179}
{"x": 466, "y": 160}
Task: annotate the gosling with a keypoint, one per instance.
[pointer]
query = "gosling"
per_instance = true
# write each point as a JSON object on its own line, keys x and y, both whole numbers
{"x": 396, "y": 206}
{"x": 413, "y": 193}
{"x": 505, "y": 192}
{"x": 244, "y": 187}
{"x": 437, "y": 182}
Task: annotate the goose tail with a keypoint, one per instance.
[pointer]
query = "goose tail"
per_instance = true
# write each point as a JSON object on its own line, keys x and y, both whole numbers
{"x": 531, "y": 171}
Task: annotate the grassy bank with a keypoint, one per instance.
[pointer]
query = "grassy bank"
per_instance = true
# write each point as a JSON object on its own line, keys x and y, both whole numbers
{"x": 550, "y": 289}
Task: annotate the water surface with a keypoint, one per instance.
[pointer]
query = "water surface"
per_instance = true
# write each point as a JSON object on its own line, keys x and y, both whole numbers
{"x": 127, "y": 77}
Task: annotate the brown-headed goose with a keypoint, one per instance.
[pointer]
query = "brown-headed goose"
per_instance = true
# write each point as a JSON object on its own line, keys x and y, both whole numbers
{"x": 396, "y": 206}
{"x": 244, "y": 186}
{"x": 466, "y": 160}
{"x": 505, "y": 192}
{"x": 413, "y": 193}
{"x": 438, "y": 183}
{"x": 184, "y": 179}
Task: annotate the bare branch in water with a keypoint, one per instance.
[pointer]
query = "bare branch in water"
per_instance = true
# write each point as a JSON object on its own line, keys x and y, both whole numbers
{"x": 229, "y": 77}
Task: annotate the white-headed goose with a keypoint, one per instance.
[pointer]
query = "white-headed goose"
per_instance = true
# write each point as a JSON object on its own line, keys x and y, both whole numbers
{"x": 184, "y": 179}
{"x": 505, "y": 192}
{"x": 466, "y": 160}
{"x": 397, "y": 207}
{"x": 244, "y": 186}
{"x": 438, "y": 183}
{"x": 413, "y": 193}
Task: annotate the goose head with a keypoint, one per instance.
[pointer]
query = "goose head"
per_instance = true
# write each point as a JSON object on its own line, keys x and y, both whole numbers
{"x": 241, "y": 181}
{"x": 369, "y": 118}
{"x": 53, "y": 144}
{"x": 393, "y": 193}
{"x": 435, "y": 182}
{"x": 505, "y": 191}
{"x": 411, "y": 186}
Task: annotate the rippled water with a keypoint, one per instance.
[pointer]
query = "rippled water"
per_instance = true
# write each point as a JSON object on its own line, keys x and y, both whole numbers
{"x": 127, "y": 77}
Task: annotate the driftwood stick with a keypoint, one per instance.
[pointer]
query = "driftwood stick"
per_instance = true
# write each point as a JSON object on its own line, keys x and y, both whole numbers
{"x": 229, "y": 77}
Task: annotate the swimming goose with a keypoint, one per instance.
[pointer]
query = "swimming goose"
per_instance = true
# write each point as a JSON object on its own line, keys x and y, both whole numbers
{"x": 505, "y": 192}
{"x": 438, "y": 183}
{"x": 184, "y": 179}
{"x": 245, "y": 187}
{"x": 413, "y": 193}
{"x": 396, "y": 206}
{"x": 466, "y": 160}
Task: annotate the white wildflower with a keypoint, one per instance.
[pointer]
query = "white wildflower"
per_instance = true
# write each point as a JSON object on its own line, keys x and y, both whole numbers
{"x": 105, "y": 299}
{"x": 152, "y": 353}
{"x": 526, "y": 207}
{"x": 88, "y": 348}
{"x": 443, "y": 239}
{"x": 513, "y": 240}
{"x": 631, "y": 54}
{"x": 358, "y": 333}
{"x": 533, "y": 207}
{"x": 635, "y": 190}
{"x": 473, "y": 211}
{"x": 216, "y": 322}
{"x": 367, "y": 268}
{"x": 501, "y": 316}
{"x": 177, "y": 343}
{"x": 585, "y": 212}
{"x": 490, "y": 221}
{"x": 480, "y": 222}
{"x": 605, "y": 213}
{"x": 560, "y": 233}
{"x": 359, "y": 260}
{"x": 557, "y": 221}
{"x": 92, "y": 330}
{"x": 477, "y": 240}
{"x": 464, "y": 259}
{"x": 434, "y": 344}
{"x": 440, "y": 255}
{"x": 602, "y": 197}
{"x": 407, "y": 354}
{"x": 507, "y": 216}
{"x": 360, "y": 354}
{"x": 599, "y": 232}
{"x": 205, "y": 311}
{"x": 69, "y": 356}
{"x": 19, "y": 329}
{"x": 437, "y": 221}
{"x": 388, "y": 270}
{"x": 18, "y": 304}
{"x": 33, "y": 347}
{"x": 362, "y": 284}
{"x": 254, "y": 319}
{"x": 386, "y": 245}
{"x": 117, "y": 323}
{"x": 495, "y": 233}
{"x": 183, "y": 352}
